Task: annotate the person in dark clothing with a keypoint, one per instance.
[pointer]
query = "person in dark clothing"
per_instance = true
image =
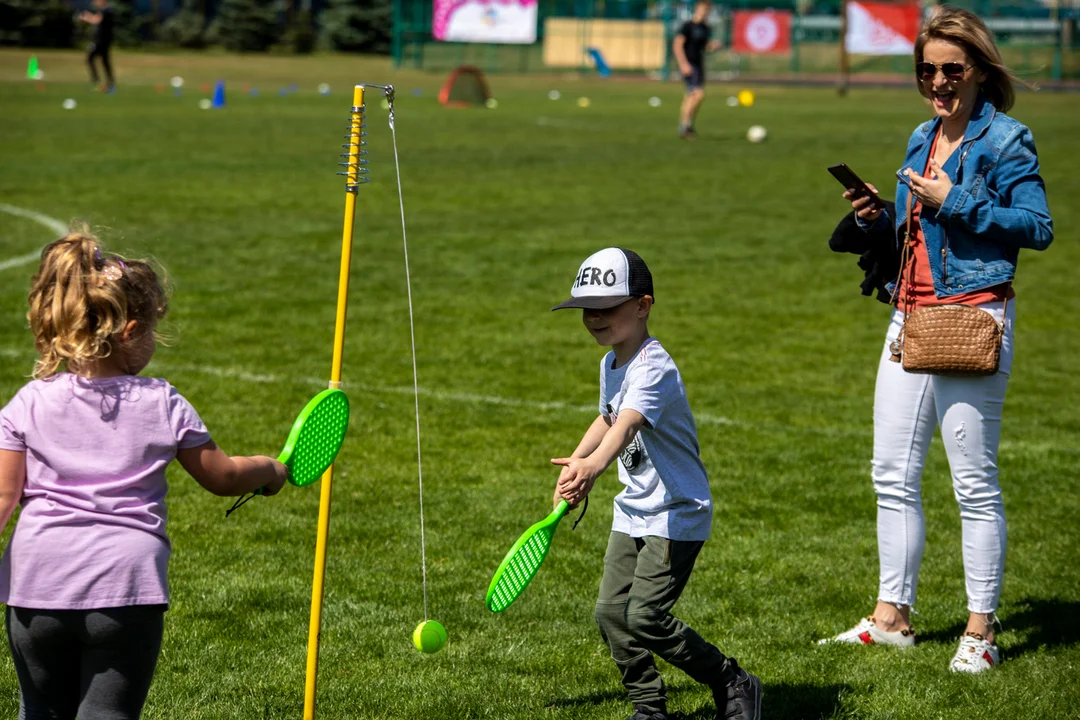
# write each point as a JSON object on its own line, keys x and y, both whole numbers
{"x": 104, "y": 20}
{"x": 689, "y": 48}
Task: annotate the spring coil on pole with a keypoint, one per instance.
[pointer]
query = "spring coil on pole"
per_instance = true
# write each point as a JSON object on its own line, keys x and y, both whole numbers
{"x": 355, "y": 162}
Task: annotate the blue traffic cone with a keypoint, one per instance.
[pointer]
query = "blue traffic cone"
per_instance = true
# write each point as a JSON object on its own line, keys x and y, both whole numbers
{"x": 219, "y": 95}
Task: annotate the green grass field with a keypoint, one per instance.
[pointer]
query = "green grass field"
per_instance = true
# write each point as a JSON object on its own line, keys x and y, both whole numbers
{"x": 776, "y": 346}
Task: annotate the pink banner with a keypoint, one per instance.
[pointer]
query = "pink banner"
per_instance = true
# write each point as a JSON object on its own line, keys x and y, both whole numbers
{"x": 493, "y": 21}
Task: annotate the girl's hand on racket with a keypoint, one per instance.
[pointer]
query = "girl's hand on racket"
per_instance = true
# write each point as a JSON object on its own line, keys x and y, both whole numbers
{"x": 281, "y": 475}
{"x": 230, "y": 476}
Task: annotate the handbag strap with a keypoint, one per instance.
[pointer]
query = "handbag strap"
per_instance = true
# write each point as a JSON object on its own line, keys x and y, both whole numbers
{"x": 897, "y": 345}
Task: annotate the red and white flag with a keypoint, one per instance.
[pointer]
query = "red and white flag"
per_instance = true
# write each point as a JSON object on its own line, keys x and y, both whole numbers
{"x": 882, "y": 28}
{"x": 761, "y": 33}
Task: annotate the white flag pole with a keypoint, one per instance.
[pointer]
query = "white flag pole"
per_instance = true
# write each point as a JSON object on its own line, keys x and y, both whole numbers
{"x": 842, "y": 88}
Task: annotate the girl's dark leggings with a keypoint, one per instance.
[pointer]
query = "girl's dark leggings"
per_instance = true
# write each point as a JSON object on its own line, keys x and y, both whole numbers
{"x": 96, "y": 664}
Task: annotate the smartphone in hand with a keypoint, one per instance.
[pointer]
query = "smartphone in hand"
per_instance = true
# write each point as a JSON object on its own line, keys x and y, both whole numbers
{"x": 851, "y": 181}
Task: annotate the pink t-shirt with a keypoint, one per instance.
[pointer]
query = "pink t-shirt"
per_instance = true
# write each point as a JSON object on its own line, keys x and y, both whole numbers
{"x": 91, "y": 533}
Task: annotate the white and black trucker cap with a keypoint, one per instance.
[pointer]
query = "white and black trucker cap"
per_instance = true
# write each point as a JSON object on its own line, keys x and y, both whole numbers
{"x": 609, "y": 278}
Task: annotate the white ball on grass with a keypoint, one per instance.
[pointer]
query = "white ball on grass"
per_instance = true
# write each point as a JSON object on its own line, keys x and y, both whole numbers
{"x": 654, "y": 101}
{"x": 756, "y": 134}
{"x": 204, "y": 104}
{"x": 324, "y": 88}
{"x": 554, "y": 95}
{"x": 177, "y": 81}
{"x": 732, "y": 101}
{"x": 491, "y": 103}
{"x": 70, "y": 104}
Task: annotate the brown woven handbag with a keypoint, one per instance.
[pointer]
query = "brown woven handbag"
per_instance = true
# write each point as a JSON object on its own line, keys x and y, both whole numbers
{"x": 958, "y": 340}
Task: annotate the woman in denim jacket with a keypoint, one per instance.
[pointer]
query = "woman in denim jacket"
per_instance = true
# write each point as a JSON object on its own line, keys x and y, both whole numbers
{"x": 970, "y": 183}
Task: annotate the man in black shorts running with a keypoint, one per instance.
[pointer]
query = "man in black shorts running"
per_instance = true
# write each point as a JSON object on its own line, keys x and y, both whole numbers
{"x": 104, "y": 19}
{"x": 689, "y": 48}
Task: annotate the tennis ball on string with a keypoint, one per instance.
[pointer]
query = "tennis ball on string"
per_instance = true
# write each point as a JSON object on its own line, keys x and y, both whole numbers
{"x": 429, "y": 636}
{"x": 583, "y": 102}
{"x": 385, "y": 104}
{"x": 746, "y": 98}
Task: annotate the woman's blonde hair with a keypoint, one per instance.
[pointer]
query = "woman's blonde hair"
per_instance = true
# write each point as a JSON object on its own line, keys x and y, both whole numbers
{"x": 967, "y": 31}
{"x": 82, "y": 297}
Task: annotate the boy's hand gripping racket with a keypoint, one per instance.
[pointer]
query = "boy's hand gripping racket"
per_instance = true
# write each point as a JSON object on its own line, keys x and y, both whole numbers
{"x": 520, "y": 564}
{"x": 314, "y": 441}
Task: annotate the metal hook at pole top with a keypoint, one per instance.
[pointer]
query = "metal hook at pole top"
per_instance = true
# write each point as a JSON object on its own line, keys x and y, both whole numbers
{"x": 388, "y": 92}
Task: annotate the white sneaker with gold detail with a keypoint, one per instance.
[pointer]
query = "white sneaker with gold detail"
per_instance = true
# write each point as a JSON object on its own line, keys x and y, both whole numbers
{"x": 867, "y": 633}
{"x": 975, "y": 654}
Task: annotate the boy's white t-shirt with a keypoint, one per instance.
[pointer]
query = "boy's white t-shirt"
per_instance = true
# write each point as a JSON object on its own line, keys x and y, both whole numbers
{"x": 667, "y": 489}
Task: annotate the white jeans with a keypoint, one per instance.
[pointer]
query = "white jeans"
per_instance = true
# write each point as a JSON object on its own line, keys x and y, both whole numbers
{"x": 907, "y": 409}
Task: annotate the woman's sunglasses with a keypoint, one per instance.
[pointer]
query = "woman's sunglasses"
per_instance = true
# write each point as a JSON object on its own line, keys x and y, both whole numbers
{"x": 951, "y": 70}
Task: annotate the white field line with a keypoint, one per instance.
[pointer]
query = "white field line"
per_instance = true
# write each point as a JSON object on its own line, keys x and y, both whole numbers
{"x": 496, "y": 400}
{"x": 58, "y": 228}
{"x": 499, "y": 401}
{"x": 402, "y": 390}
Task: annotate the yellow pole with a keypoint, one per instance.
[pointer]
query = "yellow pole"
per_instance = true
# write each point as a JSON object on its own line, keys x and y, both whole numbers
{"x": 353, "y": 179}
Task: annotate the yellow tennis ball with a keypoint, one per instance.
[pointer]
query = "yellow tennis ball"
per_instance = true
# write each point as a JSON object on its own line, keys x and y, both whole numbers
{"x": 746, "y": 98}
{"x": 429, "y": 636}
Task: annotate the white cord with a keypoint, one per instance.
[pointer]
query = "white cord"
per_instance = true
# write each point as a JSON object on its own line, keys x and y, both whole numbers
{"x": 416, "y": 383}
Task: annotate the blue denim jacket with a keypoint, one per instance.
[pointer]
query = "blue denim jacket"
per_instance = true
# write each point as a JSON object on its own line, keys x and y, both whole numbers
{"x": 996, "y": 206}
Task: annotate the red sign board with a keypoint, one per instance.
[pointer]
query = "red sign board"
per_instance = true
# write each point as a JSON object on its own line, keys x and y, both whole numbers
{"x": 761, "y": 33}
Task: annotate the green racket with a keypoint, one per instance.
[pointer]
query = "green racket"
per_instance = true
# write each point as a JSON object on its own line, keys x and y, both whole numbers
{"x": 316, "y": 437}
{"x": 314, "y": 441}
{"x": 520, "y": 564}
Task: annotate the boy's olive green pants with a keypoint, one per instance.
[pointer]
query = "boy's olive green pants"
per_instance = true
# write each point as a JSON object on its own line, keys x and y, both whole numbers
{"x": 643, "y": 577}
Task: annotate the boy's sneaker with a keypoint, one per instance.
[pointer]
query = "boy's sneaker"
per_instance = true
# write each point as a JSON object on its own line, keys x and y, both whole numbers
{"x": 643, "y": 712}
{"x": 867, "y": 633}
{"x": 975, "y": 654}
{"x": 740, "y": 699}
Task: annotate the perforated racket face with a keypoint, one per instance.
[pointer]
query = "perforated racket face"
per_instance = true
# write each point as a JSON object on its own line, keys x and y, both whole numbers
{"x": 520, "y": 565}
{"x": 316, "y": 437}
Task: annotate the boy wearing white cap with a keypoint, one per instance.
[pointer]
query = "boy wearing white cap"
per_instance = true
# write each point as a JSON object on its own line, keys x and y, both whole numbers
{"x": 663, "y": 514}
